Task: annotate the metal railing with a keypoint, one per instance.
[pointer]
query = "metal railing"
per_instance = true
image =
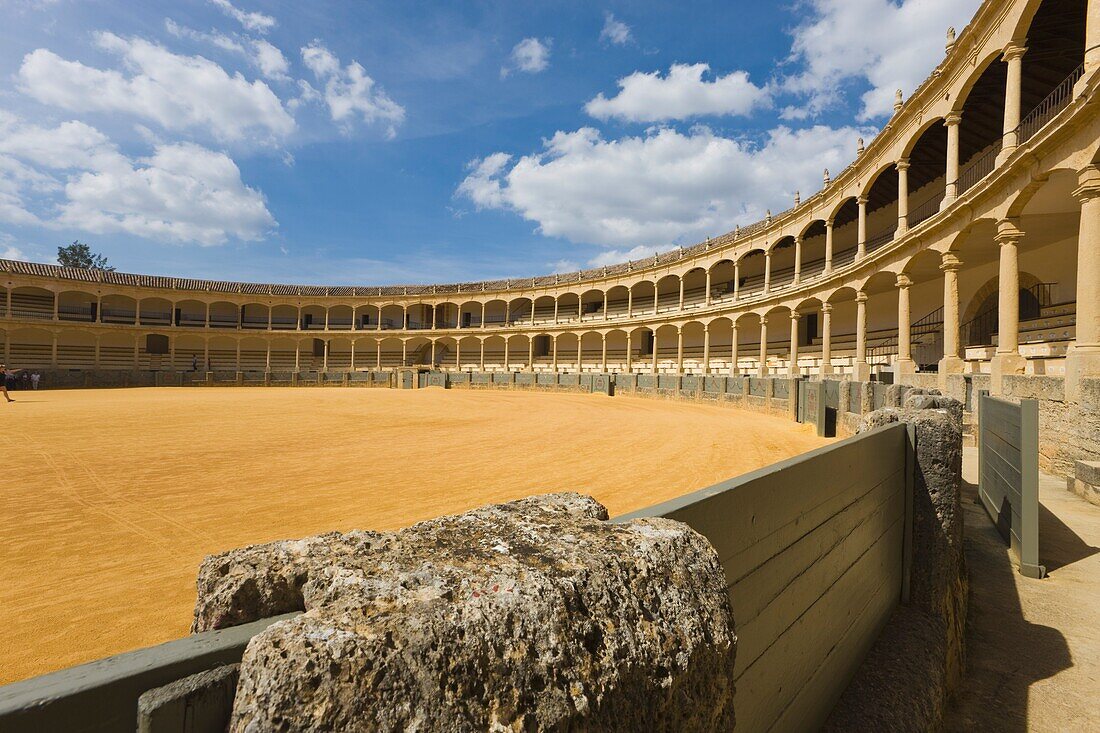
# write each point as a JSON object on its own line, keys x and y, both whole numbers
{"x": 926, "y": 210}
{"x": 879, "y": 240}
{"x": 978, "y": 167}
{"x": 1046, "y": 110}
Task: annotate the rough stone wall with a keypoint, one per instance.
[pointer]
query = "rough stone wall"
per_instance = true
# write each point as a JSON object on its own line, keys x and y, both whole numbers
{"x": 1068, "y": 431}
{"x": 533, "y": 615}
{"x": 918, "y": 660}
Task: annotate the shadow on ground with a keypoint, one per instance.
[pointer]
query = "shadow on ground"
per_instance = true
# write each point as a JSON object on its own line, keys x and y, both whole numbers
{"x": 1006, "y": 653}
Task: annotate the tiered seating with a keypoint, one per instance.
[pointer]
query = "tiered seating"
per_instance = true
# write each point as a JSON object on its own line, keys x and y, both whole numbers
{"x": 30, "y": 305}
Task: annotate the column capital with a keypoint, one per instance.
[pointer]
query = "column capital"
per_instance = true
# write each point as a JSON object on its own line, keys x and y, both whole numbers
{"x": 1088, "y": 180}
{"x": 861, "y": 297}
{"x": 904, "y": 281}
{"x": 950, "y": 262}
{"x": 830, "y": 222}
{"x": 1008, "y": 232}
{"x": 861, "y": 200}
{"x": 798, "y": 239}
{"x": 1013, "y": 51}
{"x": 952, "y": 118}
{"x": 826, "y": 307}
{"x": 795, "y": 315}
{"x": 902, "y": 164}
{"x": 763, "y": 320}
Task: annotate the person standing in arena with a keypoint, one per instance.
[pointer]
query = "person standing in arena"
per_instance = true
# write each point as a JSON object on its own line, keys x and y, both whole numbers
{"x": 7, "y": 382}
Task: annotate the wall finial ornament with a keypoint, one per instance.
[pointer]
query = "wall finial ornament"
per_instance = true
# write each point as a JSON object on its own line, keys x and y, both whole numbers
{"x": 897, "y": 100}
{"x": 797, "y": 198}
{"x": 859, "y": 146}
{"x": 825, "y": 177}
{"x": 950, "y": 39}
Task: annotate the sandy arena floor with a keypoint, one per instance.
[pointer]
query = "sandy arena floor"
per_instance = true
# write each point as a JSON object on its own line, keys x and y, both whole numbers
{"x": 110, "y": 498}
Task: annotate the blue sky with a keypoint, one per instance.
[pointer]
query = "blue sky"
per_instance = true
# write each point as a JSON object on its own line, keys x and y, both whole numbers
{"x": 389, "y": 142}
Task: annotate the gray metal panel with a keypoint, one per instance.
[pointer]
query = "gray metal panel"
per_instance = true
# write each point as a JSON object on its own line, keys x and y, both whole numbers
{"x": 1008, "y": 475}
{"x": 832, "y": 393}
{"x": 101, "y": 696}
{"x": 854, "y": 401}
{"x": 813, "y": 550}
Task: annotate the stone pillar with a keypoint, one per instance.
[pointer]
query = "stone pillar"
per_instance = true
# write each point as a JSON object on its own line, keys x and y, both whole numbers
{"x": 1092, "y": 39}
{"x": 1014, "y": 57}
{"x": 352, "y": 366}
{"x": 580, "y": 362}
{"x": 605, "y": 305}
{"x": 532, "y": 310}
{"x": 507, "y": 368}
{"x": 951, "y": 362}
{"x": 767, "y": 271}
{"x": 736, "y": 280}
{"x": 861, "y": 370}
{"x": 654, "y": 369}
{"x": 951, "y": 192}
{"x": 762, "y": 370}
{"x": 656, "y": 297}
{"x": 629, "y": 352}
{"x": 378, "y": 355}
{"x": 903, "y": 196}
{"x": 405, "y": 353}
{"x": 733, "y": 353}
{"x": 483, "y": 315}
{"x": 554, "y": 349}
{"x": 905, "y": 363}
{"x": 861, "y": 229}
{"x": 433, "y": 318}
{"x": 793, "y": 368}
{"x": 630, "y": 302}
{"x": 555, "y": 310}
{"x": 828, "y": 246}
{"x": 1083, "y": 359}
{"x": 480, "y": 362}
{"x": 679, "y": 350}
{"x": 681, "y": 293}
{"x": 707, "y": 294}
{"x": 53, "y": 351}
{"x": 603, "y": 352}
{"x": 706, "y": 349}
{"x": 530, "y": 353}
{"x": 99, "y": 314}
{"x": 1007, "y": 359}
{"x": 826, "y": 338}
{"x": 797, "y": 259}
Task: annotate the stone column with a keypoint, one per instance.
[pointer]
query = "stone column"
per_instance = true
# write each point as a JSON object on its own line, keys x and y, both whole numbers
{"x": 1014, "y": 57}
{"x": 706, "y": 299}
{"x": 433, "y": 318}
{"x": 99, "y": 314}
{"x": 706, "y": 349}
{"x": 1083, "y": 359}
{"x": 903, "y": 196}
{"x": 53, "y": 351}
{"x": 267, "y": 356}
{"x": 905, "y": 363}
{"x": 951, "y": 192}
{"x": 1007, "y": 359}
{"x": 861, "y": 229}
{"x": 681, "y": 293}
{"x": 767, "y": 271}
{"x": 405, "y": 354}
{"x": 951, "y": 362}
{"x": 762, "y": 370}
{"x": 654, "y": 369}
{"x": 603, "y": 353}
{"x": 861, "y": 370}
{"x": 630, "y": 352}
{"x": 793, "y": 368}
{"x": 826, "y": 338}
{"x": 352, "y": 366}
{"x": 377, "y": 355}
{"x": 736, "y": 280}
{"x": 481, "y": 360}
{"x": 483, "y": 315}
{"x": 1092, "y": 38}
{"x": 630, "y": 302}
{"x": 679, "y": 350}
{"x": 797, "y": 259}
{"x": 530, "y": 353}
{"x": 554, "y": 348}
{"x": 555, "y": 310}
{"x": 733, "y": 352}
{"x": 605, "y": 305}
{"x": 580, "y": 363}
{"x": 532, "y": 311}
{"x": 656, "y": 297}
{"x": 828, "y": 246}
{"x": 507, "y": 367}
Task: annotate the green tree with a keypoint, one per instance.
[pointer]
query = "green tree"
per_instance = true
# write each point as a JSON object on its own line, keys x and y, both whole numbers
{"x": 81, "y": 255}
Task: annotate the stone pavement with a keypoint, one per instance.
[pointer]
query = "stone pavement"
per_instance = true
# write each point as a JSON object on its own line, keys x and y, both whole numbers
{"x": 1033, "y": 646}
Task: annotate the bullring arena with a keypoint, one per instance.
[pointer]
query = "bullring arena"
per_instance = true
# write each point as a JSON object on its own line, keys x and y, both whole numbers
{"x": 957, "y": 256}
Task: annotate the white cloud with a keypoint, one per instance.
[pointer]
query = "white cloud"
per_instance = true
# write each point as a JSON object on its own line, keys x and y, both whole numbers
{"x": 11, "y": 252}
{"x": 176, "y": 92}
{"x": 252, "y": 21}
{"x": 614, "y": 31}
{"x": 183, "y": 192}
{"x": 615, "y": 256}
{"x": 531, "y": 55}
{"x": 260, "y": 53}
{"x": 681, "y": 94}
{"x": 837, "y": 44}
{"x": 560, "y": 266}
{"x": 660, "y": 188}
{"x": 349, "y": 90}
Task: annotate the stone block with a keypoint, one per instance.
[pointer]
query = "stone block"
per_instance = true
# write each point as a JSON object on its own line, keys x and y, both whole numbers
{"x": 532, "y": 615}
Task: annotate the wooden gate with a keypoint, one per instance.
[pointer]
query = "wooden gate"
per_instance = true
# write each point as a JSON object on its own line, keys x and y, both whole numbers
{"x": 1008, "y": 475}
